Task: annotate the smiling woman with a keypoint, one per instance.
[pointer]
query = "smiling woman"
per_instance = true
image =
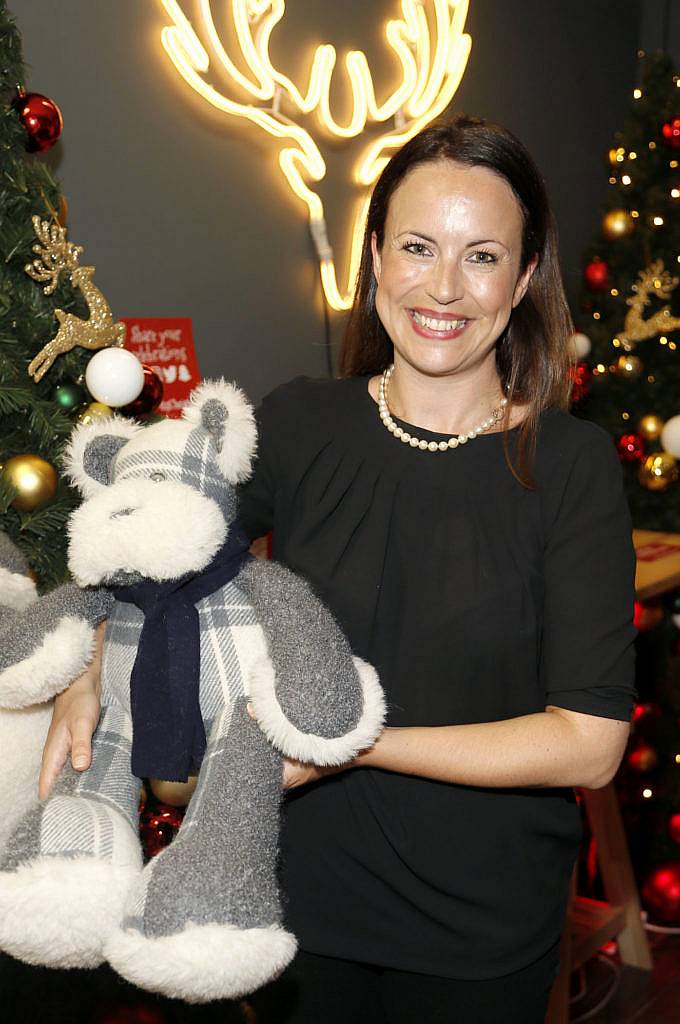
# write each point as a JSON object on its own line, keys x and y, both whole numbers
{"x": 473, "y": 541}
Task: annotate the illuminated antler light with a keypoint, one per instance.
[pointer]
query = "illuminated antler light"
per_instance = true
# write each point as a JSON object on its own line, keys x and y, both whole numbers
{"x": 430, "y": 76}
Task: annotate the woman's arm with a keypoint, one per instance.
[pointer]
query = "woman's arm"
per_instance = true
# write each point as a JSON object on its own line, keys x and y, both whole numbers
{"x": 74, "y": 719}
{"x": 551, "y": 748}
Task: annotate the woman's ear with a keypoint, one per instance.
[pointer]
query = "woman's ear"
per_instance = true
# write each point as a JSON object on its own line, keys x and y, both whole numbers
{"x": 523, "y": 282}
{"x": 375, "y": 252}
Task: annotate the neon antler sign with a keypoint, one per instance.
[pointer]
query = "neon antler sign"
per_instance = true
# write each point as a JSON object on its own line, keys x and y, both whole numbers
{"x": 430, "y": 74}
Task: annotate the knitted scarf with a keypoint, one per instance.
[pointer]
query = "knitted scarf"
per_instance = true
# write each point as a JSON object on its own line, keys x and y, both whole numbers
{"x": 168, "y": 735}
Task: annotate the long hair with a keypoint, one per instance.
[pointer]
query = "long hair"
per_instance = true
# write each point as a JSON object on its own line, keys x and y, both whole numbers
{"x": 533, "y": 353}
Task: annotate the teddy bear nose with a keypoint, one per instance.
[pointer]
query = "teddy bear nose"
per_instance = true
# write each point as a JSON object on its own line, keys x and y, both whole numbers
{"x": 122, "y": 512}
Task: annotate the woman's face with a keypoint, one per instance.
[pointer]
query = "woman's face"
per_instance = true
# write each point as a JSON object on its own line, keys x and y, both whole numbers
{"x": 448, "y": 272}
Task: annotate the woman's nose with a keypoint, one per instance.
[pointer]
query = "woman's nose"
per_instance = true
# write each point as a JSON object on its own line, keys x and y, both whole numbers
{"x": 446, "y": 284}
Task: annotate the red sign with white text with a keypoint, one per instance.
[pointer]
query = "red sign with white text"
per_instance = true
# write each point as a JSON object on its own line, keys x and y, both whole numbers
{"x": 167, "y": 345}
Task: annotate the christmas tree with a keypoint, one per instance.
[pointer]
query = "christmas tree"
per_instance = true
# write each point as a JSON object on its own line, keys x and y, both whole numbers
{"x": 631, "y": 301}
{"x": 41, "y": 389}
{"x": 628, "y": 381}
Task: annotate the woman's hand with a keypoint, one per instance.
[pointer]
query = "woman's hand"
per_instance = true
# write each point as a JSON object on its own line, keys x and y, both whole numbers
{"x": 74, "y": 719}
{"x": 299, "y": 773}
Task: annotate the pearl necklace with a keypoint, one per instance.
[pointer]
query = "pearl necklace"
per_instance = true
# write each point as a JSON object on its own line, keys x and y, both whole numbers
{"x": 431, "y": 446}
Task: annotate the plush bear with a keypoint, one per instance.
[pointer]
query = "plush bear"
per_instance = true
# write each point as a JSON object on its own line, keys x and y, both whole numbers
{"x": 198, "y": 629}
{"x": 44, "y": 641}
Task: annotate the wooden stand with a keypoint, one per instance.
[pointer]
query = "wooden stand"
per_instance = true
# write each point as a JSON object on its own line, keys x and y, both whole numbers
{"x": 591, "y": 923}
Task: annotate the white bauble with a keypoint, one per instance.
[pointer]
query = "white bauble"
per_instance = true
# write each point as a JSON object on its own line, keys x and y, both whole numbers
{"x": 114, "y": 376}
{"x": 581, "y": 344}
{"x": 670, "y": 436}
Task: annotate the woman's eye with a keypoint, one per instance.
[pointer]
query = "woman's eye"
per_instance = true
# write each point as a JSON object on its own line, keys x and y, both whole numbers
{"x": 416, "y": 248}
{"x": 485, "y": 256}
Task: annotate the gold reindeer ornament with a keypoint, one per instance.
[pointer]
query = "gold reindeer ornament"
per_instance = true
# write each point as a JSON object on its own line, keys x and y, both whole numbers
{"x": 54, "y": 255}
{"x": 654, "y": 280}
{"x": 431, "y": 51}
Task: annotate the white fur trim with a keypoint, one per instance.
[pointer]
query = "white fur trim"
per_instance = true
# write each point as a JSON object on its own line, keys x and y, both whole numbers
{"x": 74, "y": 453}
{"x": 203, "y": 962}
{"x": 59, "y": 911}
{"x": 16, "y": 590}
{"x": 171, "y": 530}
{"x": 307, "y": 746}
{"x": 239, "y": 439}
{"x": 65, "y": 652}
{"x": 22, "y": 735}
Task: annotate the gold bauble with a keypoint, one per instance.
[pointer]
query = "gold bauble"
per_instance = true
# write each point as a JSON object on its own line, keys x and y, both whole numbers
{"x": 93, "y": 412}
{"x": 629, "y": 366}
{"x": 658, "y": 471}
{"x": 177, "y": 794}
{"x": 650, "y": 427}
{"x": 617, "y": 224}
{"x": 34, "y": 479}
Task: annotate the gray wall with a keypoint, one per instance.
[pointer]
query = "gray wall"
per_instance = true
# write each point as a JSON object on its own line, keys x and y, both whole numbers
{"x": 182, "y": 217}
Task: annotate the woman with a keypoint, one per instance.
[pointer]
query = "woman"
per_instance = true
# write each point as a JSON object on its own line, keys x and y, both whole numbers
{"x": 473, "y": 541}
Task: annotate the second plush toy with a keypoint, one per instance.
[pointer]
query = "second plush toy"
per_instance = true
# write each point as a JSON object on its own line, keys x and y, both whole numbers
{"x": 198, "y": 628}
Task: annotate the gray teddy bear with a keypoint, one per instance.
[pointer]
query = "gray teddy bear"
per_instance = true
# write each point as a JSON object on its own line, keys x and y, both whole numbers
{"x": 197, "y": 630}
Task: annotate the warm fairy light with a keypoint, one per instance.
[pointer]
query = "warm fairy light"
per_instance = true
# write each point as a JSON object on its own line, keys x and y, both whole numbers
{"x": 657, "y": 221}
{"x": 677, "y": 758}
{"x": 651, "y": 379}
{"x": 600, "y": 368}
{"x": 672, "y": 346}
{"x": 646, "y": 793}
{"x": 626, "y": 179}
{"x": 637, "y": 94}
{"x": 673, "y": 164}
{"x": 632, "y": 156}
{"x": 652, "y": 145}
{"x": 596, "y": 315}
{"x": 635, "y": 213}
{"x": 625, "y": 415}
{"x": 675, "y": 193}
{"x": 430, "y": 73}
{"x": 614, "y": 292}
{"x": 663, "y": 341}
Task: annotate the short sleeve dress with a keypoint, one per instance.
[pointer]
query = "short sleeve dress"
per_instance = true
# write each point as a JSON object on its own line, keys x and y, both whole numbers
{"x": 477, "y": 600}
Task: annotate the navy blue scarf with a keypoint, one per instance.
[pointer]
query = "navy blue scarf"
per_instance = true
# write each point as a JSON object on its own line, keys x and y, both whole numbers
{"x": 168, "y": 735}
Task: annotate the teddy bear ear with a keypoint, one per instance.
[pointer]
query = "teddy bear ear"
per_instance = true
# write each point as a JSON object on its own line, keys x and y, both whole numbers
{"x": 224, "y": 411}
{"x": 89, "y": 455}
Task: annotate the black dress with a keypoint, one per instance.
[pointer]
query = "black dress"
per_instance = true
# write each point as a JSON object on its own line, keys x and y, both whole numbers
{"x": 477, "y": 600}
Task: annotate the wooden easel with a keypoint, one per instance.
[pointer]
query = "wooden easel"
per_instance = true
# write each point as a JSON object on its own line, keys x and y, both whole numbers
{"x": 592, "y": 923}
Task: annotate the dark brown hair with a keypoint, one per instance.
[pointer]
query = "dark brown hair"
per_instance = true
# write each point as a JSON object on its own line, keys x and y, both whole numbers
{"x": 532, "y": 354}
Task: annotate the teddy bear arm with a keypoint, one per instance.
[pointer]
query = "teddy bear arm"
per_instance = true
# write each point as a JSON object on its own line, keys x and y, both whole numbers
{"x": 311, "y": 697}
{"x": 45, "y": 646}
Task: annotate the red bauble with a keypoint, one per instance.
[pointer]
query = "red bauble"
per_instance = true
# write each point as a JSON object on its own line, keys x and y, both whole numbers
{"x": 674, "y": 828}
{"x": 596, "y": 275}
{"x": 670, "y": 133}
{"x": 41, "y": 118}
{"x": 642, "y": 758}
{"x": 581, "y": 375}
{"x": 661, "y": 893}
{"x": 158, "y": 826}
{"x": 149, "y": 398}
{"x": 631, "y": 447}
